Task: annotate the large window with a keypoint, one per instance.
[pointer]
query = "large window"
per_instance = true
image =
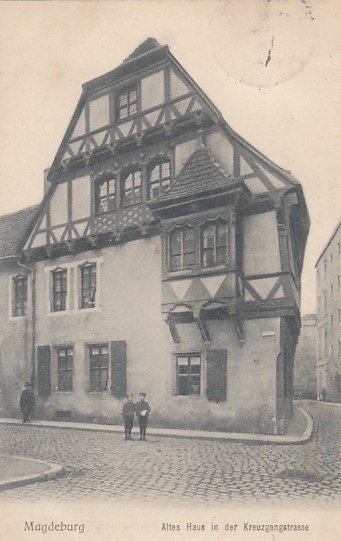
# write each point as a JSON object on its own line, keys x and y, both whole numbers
{"x": 131, "y": 187}
{"x": 181, "y": 248}
{"x": 99, "y": 363}
{"x": 214, "y": 244}
{"x": 59, "y": 290}
{"x": 188, "y": 375}
{"x": 159, "y": 177}
{"x": 105, "y": 196}
{"x": 65, "y": 369}
{"x": 88, "y": 285}
{"x": 19, "y": 285}
{"x": 127, "y": 102}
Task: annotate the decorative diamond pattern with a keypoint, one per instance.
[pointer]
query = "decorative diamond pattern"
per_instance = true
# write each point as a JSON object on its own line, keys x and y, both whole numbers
{"x": 123, "y": 218}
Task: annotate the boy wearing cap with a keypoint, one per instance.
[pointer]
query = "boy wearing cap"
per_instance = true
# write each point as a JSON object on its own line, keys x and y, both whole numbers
{"x": 128, "y": 412}
{"x": 27, "y": 402}
{"x": 142, "y": 411}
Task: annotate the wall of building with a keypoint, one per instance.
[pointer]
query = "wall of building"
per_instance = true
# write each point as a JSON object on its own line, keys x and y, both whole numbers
{"x": 305, "y": 380}
{"x": 328, "y": 274}
{"x": 15, "y": 341}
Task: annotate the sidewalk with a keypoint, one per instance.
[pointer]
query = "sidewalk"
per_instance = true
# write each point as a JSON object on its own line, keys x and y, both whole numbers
{"x": 297, "y": 433}
{"x": 19, "y": 471}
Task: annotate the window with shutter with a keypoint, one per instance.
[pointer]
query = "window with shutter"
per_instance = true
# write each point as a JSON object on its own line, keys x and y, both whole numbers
{"x": 216, "y": 375}
{"x": 119, "y": 369}
{"x": 44, "y": 371}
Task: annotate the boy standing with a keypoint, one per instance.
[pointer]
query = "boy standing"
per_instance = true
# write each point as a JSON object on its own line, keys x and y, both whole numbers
{"x": 128, "y": 412}
{"x": 142, "y": 411}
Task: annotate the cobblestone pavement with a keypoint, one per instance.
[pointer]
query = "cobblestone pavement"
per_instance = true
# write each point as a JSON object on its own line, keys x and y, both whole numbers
{"x": 101, "y": 466}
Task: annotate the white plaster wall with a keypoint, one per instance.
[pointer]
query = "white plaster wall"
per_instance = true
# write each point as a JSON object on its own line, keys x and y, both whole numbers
{"x": 81, "y": 197}
{"x": 261, "y": 246}
{"x": 152, "y": 90}
{"x": 221, "y": 148}
{"x": 58, "y": 205}
{"x": 99, "y": 112}
{"x": 182, "y": 153}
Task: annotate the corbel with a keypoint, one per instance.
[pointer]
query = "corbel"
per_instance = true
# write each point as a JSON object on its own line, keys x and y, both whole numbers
{"x": 238, "y": 325}
{"x": 92, "y": 240}
{"x": 138, "y": 137}
{"x": 65, "y": 164}
{"x": 198, "y": 115}
{"x": 168, "y": 128}
{"x": 200, "y": 321}
{"x": 69, "y": 246}
{"x": 49, "y": 249}
{"x": 173, "y": 330}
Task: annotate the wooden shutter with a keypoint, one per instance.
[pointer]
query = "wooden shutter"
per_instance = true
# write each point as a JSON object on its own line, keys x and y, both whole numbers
{"x": 216, "y": 375}
{"x": 119, "y": 368}
{"x": 44, "y": 375}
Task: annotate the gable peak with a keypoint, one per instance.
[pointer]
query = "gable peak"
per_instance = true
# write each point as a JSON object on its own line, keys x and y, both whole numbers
{"x": 146, "y": 46}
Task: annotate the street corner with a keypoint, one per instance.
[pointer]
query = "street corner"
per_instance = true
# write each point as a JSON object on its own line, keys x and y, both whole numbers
{"x": 17, "y": 471}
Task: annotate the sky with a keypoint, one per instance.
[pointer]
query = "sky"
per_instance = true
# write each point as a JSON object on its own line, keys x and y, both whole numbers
{"x": 272, "y": 67}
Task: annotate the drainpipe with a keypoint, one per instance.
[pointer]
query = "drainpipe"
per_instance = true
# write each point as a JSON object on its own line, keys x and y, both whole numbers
{"x": 31, "y": 270}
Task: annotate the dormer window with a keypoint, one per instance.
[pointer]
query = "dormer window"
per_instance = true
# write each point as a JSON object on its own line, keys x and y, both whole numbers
{"x": 105, "y": 195}
{"x": 131, "y": 186}
{"x": 19, "y": 296}
{"x": 127, "y": 102}
{"x": 214, "y": 243}
{"x": 159, "y": 176}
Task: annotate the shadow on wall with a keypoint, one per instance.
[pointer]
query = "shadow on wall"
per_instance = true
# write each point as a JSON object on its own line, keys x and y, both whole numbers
{"x": 259, "y": 420}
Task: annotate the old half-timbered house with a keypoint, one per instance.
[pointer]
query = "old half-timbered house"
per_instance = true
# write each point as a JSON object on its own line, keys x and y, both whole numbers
{"x": 165, "y": 257}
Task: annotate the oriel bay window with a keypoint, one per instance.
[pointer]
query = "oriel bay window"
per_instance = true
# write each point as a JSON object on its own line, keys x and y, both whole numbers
{"x": 19, "y": 297}
{"x": 131, "y": 186}
{"x": 181, "y": 248}
{"x": 88, "y": 285}
{"x": 214, "y": 243}
{"x": 105, "y": 195}
{"x": 99, "y": 364}
{"x": 65, "y": 369}
{"x": 188, "y": 375}
{"x": 159, "y": 177}
{"x": 59, "y": 290}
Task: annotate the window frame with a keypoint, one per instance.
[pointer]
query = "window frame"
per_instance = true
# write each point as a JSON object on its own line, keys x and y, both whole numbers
{"x": 158, "y": 162}
{"x": 215, "y": 224}
{"x": 93, "y": 293}
{"x": 107, "y": 198}
{"x": 135, "y": 188}
{"x": 126, "y": 92}
{"x": 189, "y": 374}
{"x": 183, "y": 252}
{"x": 63, "y": 293}
{"x": 65, "y": 371}
{"x": 100, "y": 368}
{"x": 17, "y": 302}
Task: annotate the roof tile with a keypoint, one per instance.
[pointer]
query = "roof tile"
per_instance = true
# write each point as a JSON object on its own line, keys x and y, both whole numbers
{"x": 12, "y": 229}
{"x": 199, "y": 174}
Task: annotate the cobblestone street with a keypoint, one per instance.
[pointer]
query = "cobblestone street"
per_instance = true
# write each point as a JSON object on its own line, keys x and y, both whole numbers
{"x": 104, "y": 467}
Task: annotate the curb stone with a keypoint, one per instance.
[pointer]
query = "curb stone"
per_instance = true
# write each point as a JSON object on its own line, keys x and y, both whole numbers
{"x": 235, "y": 437}
{"x": 53, "y": 472}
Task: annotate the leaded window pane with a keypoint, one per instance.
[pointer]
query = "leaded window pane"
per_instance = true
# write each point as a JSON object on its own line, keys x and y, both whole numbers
{"x": 88, "y": 286}
{"x": 65, "y": 369}
{"x": 99, "y": 363}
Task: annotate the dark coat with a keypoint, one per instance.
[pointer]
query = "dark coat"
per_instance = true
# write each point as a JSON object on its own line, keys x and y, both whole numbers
{"x": 27, "y": 400}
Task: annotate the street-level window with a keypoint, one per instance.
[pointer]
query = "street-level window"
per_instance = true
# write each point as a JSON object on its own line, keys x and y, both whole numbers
{"x": 65, "y": 369}
{"x": 88, "y": 285}
{"x": 159, "y": 177}
{"x": 99, "y": 363}
{"x": 131, "y": 187}
{"x": 105, "y": 196}
{"x": 214, "y": 244}
{"x": 19, "y": 285}
{"x": 188, "y": 375}
{"x": 181, "y": 248}
{"x": 127, "y": 102}
{"x": 59, "y": 290}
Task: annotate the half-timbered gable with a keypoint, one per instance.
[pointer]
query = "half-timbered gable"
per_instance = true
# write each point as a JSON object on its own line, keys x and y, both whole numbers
{"x": 166, "y": 255}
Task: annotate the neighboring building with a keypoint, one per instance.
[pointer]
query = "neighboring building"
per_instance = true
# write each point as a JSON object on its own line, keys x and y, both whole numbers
{"x": 305, "y": 359}
{"x": 165, "y": 257}
{"x": 328, "y": 274}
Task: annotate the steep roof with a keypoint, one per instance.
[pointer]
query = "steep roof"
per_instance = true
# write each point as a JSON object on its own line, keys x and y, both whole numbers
{"x": 12, "y": 229}
{"x": 199, "y": 174}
